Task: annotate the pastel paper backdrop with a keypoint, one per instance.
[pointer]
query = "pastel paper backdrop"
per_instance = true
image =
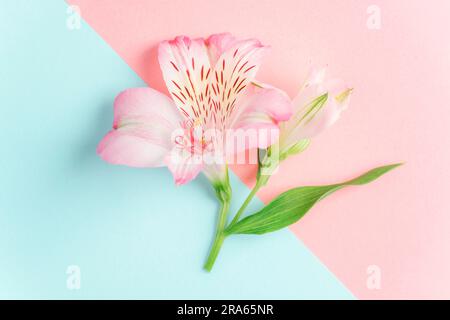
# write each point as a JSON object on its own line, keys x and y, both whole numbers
{"x": 399, "y": 112}
{"x": 131, "y": 233}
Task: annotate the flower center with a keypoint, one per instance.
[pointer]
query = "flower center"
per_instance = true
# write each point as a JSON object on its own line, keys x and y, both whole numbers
{"x": 193, "y": 139}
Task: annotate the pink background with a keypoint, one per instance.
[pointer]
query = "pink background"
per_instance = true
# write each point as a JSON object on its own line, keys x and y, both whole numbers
{"x": 400, "y": 112}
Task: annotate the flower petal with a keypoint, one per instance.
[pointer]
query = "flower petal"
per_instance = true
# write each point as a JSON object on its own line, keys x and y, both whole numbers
{"x": 313, "y": 114}
{"x": 127, "y": 147}
{"x": 237, "y": 54}
{"x": 184, "y": 166}
{"x": 217, "y": 44}
{"x": 216, "y": 172}
{"x": 235, "y": 66}
{"x": 261, "y": 108}
{"x": 186, "y": 68}
{"x": 144, "y": 120}
{"x": 324, "y": 118}
{"x": 145, "y": 106}
{"x": 205, "y": 78}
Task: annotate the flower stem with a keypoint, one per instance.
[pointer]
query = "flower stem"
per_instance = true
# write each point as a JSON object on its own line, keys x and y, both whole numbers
{"x": 220, "y": 236}
{"x": 260, "y": 182}
{"x": 223, "y": 193}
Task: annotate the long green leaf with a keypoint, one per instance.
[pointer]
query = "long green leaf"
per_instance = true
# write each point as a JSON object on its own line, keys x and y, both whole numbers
{"x": 292, "y": 205}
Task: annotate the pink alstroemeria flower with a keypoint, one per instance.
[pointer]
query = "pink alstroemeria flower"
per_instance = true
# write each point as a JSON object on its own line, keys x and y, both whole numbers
{"x": 212, "y": 86}
{"x": 317, "y": 106}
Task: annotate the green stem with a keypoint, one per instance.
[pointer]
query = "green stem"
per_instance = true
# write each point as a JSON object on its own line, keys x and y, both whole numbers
{"x": 260, "y": 182}
{"x": 220, "y": 236}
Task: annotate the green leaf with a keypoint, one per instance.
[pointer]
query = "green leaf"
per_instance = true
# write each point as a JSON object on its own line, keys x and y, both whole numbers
{"x": 292, "y": 205}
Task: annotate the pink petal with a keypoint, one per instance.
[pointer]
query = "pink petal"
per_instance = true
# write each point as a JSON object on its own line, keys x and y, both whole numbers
{"x": 218, "y": 44}
{"x": 184, "y": 167}
{"x": 126, "y": 147}
{"x": 260, "y": 110}
{"x": 146, "y": 106}
{"x": 186, "y": 69}
{"x": 144, "y": 120}
{"x": 326, "y": 117}
{"x": 236, "y": 52}
{"x": 316, "y": 85}
{"x": 205, "y": 78}
{"x": 235, "y": 66}
{"x": 317, "y": 76}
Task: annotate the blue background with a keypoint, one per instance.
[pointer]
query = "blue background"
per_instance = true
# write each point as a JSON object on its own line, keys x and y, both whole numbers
{"x": 131, "y": 231}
